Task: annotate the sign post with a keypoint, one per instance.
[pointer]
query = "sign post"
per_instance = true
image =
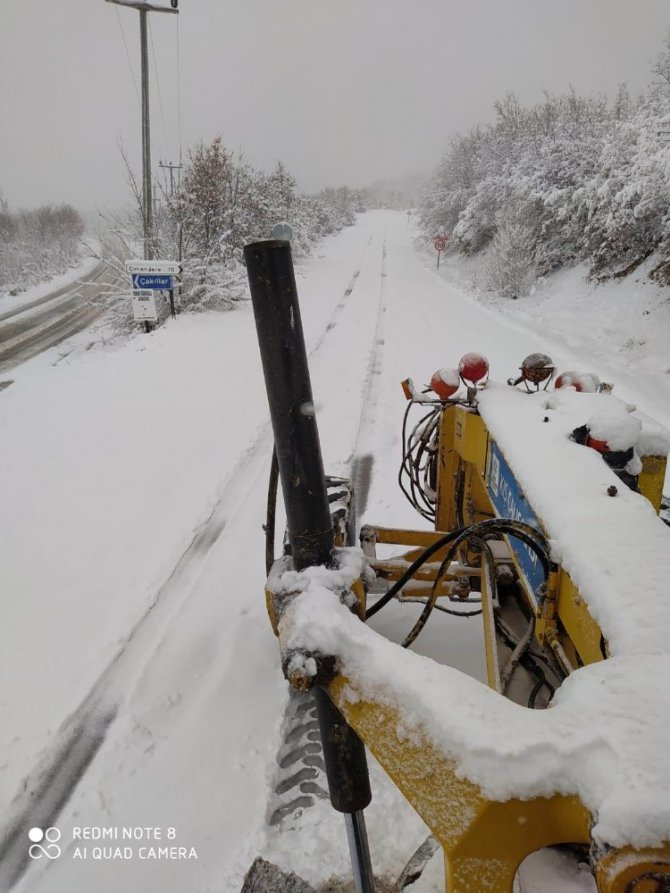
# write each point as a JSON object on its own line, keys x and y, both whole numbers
{"x": 440, "y": 243}
{"x": 282, "y": 231}
{"x": 154, "y": 267}
{"x": 148, "y": 277}
{"x": 155, "y": 283}
{"x": 144, "y": 305}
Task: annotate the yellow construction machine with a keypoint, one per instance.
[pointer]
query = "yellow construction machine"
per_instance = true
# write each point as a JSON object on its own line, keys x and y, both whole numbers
{"x": 555, "y": 625}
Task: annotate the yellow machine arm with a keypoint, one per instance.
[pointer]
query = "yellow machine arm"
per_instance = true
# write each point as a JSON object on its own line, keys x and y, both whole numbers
{"x": 533, "y": 614}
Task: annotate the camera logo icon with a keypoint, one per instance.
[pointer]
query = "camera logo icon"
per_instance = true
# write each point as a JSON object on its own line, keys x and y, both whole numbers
{"x": 44, "y": 843}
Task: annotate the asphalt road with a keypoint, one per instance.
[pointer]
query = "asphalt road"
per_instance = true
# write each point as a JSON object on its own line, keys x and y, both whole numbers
{"x": 28, "y": 330}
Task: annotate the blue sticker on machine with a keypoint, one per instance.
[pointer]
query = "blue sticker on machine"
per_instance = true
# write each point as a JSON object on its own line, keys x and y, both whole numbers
{"x": 509, "y": 502}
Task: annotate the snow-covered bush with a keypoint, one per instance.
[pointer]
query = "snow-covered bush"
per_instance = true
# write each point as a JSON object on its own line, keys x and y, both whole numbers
{"x": 510, "y": 266}
{"x": 37, "y": 245}
{"x": 593, "y": 178}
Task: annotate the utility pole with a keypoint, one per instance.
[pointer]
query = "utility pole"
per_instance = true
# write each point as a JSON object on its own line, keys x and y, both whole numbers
{"x": 147, "y": 202}
{"x": 173, "y": 167}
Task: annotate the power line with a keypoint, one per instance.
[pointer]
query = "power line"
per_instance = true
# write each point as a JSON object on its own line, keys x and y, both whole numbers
{"x": 171, "y": 168}
{"x": 130, "y": 62}
{"x": 179, "y": 93}
{"x": 158, "y": 86}
{"x": 144, "y": 8}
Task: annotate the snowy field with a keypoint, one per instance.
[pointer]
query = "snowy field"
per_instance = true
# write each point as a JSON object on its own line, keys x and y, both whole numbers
{"x": 620, "y": 328}
{"x": 134, "y": 482}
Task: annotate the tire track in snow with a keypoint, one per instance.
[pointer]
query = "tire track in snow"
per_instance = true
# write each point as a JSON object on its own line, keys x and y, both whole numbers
{"x": 57, "y": 328}
{"x": 74, "y": 288}
{"x": 47, "y": 790}
{"x": 362, "y": 459}
{"x": 339, "y": 307}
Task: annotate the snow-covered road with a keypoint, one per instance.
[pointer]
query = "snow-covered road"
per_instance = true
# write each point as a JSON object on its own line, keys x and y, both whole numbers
{"x": 32, "y": 325}
{"x": 134, "y": 483}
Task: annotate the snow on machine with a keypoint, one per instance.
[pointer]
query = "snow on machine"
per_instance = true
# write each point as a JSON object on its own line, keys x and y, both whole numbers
{"x": 543, "y": 501}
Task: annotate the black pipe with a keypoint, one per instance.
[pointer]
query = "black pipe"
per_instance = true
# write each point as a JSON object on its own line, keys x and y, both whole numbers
{"x": 279, "y": 327}
{"x": 280, "y": 336}
{"x": 344, "y": 756}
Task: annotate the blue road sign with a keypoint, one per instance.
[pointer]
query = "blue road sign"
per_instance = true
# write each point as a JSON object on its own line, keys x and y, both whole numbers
{"x": 142, "y": 280}
{"x": 510, "y": 502}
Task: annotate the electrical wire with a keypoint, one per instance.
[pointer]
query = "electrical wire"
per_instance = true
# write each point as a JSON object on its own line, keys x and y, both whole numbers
{"x": 524, "y": 532}
{"x": 422, "y": 601}
{"x": 518, "y": 529}
{"x": 130, "y": 63}
{"x": 538, "y": 688}
{"x": 179, "y": 100}
{"x": 417, "y": 472}
{"x": 158, "y": 86}
{"x": 409, "y": 573}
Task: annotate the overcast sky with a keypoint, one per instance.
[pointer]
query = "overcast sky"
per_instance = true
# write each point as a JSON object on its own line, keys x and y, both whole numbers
{"x": 343, "y": 91}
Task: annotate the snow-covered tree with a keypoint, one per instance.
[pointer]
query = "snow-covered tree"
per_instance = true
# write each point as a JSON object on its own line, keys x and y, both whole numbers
{"x": 38, "y": 244}
{"x": 510, "y": 263}
{"x": 222, "y": 203}
{"x": 591, "y": 177}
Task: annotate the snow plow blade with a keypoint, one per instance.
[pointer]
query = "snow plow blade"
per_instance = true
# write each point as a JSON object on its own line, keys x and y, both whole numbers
{"x": 266, "y": 877}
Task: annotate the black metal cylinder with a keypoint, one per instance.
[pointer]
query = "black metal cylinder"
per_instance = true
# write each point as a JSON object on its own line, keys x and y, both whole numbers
{"x": 280, "y": 336}
{"x": 344, "y": 756}
{"x": 275, "y": 301}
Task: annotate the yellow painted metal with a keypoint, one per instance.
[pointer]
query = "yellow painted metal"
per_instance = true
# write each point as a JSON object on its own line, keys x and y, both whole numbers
{"x": 477, "y": 503}
{"x": 423, "y": 589}
{"x": 576, "y": 622}
{"x": 447, "y": 470}
{"x": 632, "y": 871}
{"x": 394, "y": 568}
{"x": 421, "y": 538}
{"x": 490, "y": 649}
{"x": 398, "y": 537}
{"x": 272, "y": 614}
{"x": 359, "y": 591}
{"x": 484, "y": 841}
{"x": 651, "y": 479}
{"x": 470, "y": 437}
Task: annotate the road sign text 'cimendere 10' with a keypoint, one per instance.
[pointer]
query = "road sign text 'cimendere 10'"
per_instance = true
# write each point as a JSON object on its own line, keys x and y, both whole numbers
{"x": 154, "y": 267}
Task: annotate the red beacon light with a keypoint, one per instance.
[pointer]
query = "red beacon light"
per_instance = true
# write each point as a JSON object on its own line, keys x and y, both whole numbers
{"x": 587, "y": 382}
{"x": 602, "y": 446}
{"x": 445, "y": 383}
{"x": 473, "y": 367}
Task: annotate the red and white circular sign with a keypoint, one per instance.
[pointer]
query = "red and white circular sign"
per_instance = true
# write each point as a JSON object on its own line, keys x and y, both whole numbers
{"x": 440, "y": 244}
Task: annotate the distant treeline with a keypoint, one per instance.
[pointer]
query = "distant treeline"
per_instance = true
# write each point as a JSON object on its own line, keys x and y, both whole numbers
{"x": 570, "y": 179}
{"x": 37, "y": 245}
